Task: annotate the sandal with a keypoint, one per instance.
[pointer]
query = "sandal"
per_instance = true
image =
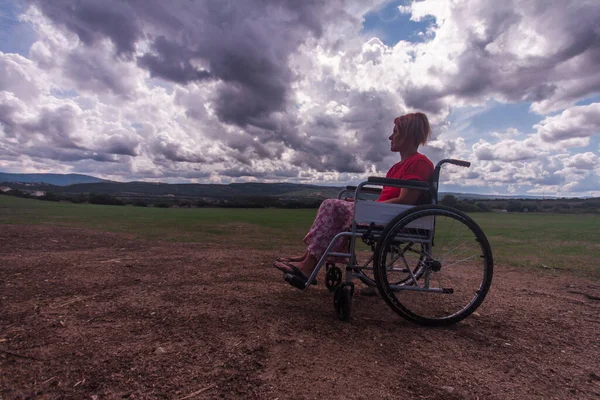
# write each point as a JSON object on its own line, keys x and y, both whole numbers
{"x": 291, "y": 269}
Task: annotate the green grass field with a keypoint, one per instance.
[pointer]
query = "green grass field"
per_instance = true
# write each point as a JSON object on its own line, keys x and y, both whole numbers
{"x": 557, "y": 241}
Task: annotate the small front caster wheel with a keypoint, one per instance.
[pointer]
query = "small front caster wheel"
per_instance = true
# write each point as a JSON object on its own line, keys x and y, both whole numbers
{"x": 333, "y": 277}
{"x": 342, "y": 300}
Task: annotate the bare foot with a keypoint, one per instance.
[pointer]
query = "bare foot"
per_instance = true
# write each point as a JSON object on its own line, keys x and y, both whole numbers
{"x": 293, "y": 259}
{"x": 305, "y": 266}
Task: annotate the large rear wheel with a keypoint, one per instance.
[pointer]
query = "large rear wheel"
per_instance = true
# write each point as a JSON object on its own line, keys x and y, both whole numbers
{"x": 433, "y": 265}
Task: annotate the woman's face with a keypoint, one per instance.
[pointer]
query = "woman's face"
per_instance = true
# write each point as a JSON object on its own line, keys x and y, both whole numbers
{"x": 397, "y": 140}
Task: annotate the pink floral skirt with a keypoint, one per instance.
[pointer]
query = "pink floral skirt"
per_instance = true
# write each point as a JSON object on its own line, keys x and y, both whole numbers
{"x": 334, "y": 216}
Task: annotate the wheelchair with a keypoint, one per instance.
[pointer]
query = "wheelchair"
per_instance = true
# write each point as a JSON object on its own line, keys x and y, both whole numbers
{"x": 432, "y": 264}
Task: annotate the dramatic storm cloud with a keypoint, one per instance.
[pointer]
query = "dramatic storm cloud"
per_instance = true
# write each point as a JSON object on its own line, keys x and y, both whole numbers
{"x": 306, "y": 91}
{"x": 243, "y": 45}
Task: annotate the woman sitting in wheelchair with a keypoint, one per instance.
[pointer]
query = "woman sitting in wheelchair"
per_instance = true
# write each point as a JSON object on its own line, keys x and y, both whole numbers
{"x": 335, "y": 215}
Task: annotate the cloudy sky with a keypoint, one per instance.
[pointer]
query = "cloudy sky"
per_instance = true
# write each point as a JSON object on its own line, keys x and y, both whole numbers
{"x": 302, "y": 91}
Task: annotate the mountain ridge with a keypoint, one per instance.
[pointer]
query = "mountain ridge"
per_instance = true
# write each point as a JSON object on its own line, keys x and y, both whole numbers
{"x": 79, "y": 183}
{"x": 52, "y": 179}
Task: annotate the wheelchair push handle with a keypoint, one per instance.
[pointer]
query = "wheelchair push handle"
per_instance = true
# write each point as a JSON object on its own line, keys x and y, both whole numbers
{"x": 460, "y": 163}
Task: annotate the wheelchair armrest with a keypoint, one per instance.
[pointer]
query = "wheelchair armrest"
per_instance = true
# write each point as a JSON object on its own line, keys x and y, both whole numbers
{"x": 419, "y": 185}
{"x": 365, "y": 189}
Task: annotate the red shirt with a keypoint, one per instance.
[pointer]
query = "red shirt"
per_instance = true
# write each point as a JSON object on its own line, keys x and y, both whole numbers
{"x": 417, "y": 167}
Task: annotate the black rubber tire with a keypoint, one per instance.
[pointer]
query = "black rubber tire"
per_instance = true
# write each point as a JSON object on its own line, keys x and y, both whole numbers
{"x": 342, "y": 301}
{"x": 399, "y": 305}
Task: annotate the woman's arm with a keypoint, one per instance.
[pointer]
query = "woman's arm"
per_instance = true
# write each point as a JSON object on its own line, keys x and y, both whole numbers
{"x": 407, "y": 196}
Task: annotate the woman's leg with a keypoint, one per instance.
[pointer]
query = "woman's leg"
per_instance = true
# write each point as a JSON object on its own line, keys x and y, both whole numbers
{"x": 334, "y": 216}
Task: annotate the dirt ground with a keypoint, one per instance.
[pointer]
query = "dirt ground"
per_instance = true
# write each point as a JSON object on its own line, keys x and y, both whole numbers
{"x": 92, "y": 315}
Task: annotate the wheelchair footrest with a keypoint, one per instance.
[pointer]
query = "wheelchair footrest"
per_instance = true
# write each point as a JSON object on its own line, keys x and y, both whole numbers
{"x": 295, "y": 281}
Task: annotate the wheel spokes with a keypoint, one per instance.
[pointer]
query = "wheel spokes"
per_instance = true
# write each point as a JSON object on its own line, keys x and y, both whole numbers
{"x": 445, "y": 277}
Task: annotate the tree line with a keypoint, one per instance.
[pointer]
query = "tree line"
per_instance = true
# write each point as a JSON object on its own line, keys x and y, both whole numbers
{"x": 562, "y": 205}
{"x": 166, "y": 202}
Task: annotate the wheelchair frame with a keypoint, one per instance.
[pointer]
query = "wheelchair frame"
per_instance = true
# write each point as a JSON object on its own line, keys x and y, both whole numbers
{"x": 391, "y": 225}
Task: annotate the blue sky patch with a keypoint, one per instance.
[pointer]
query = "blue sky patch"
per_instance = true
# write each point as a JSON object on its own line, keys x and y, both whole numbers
{"x": 64, "y": 94}
{"x": 392, "y": 26}
{"x": 15, "y": 36}
{"x": 589, "y": 100}
{"x": 499, "y": 117}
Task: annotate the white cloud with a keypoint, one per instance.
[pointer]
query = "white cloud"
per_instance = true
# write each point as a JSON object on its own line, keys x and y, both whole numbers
{"x": 21, "y": 77}
{"x": 584, "y": 161}
{"x": 574, "y": 122}
{"x": 405, "y": 9}
{"x": 513, "y": 50}
{"x": 506, "y": 150}
{"x": 199, "y": 91}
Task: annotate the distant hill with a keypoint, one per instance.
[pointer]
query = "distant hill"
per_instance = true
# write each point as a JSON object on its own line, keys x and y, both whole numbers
{"x": 78, "y": 183}
{"x": 187, "y": 190}
{"x": 194, "y": 190}
{"x": 51, "y": 179}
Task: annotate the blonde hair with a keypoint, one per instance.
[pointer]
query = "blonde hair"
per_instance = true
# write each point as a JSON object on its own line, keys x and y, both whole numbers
{"x": 415, "y": 126}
